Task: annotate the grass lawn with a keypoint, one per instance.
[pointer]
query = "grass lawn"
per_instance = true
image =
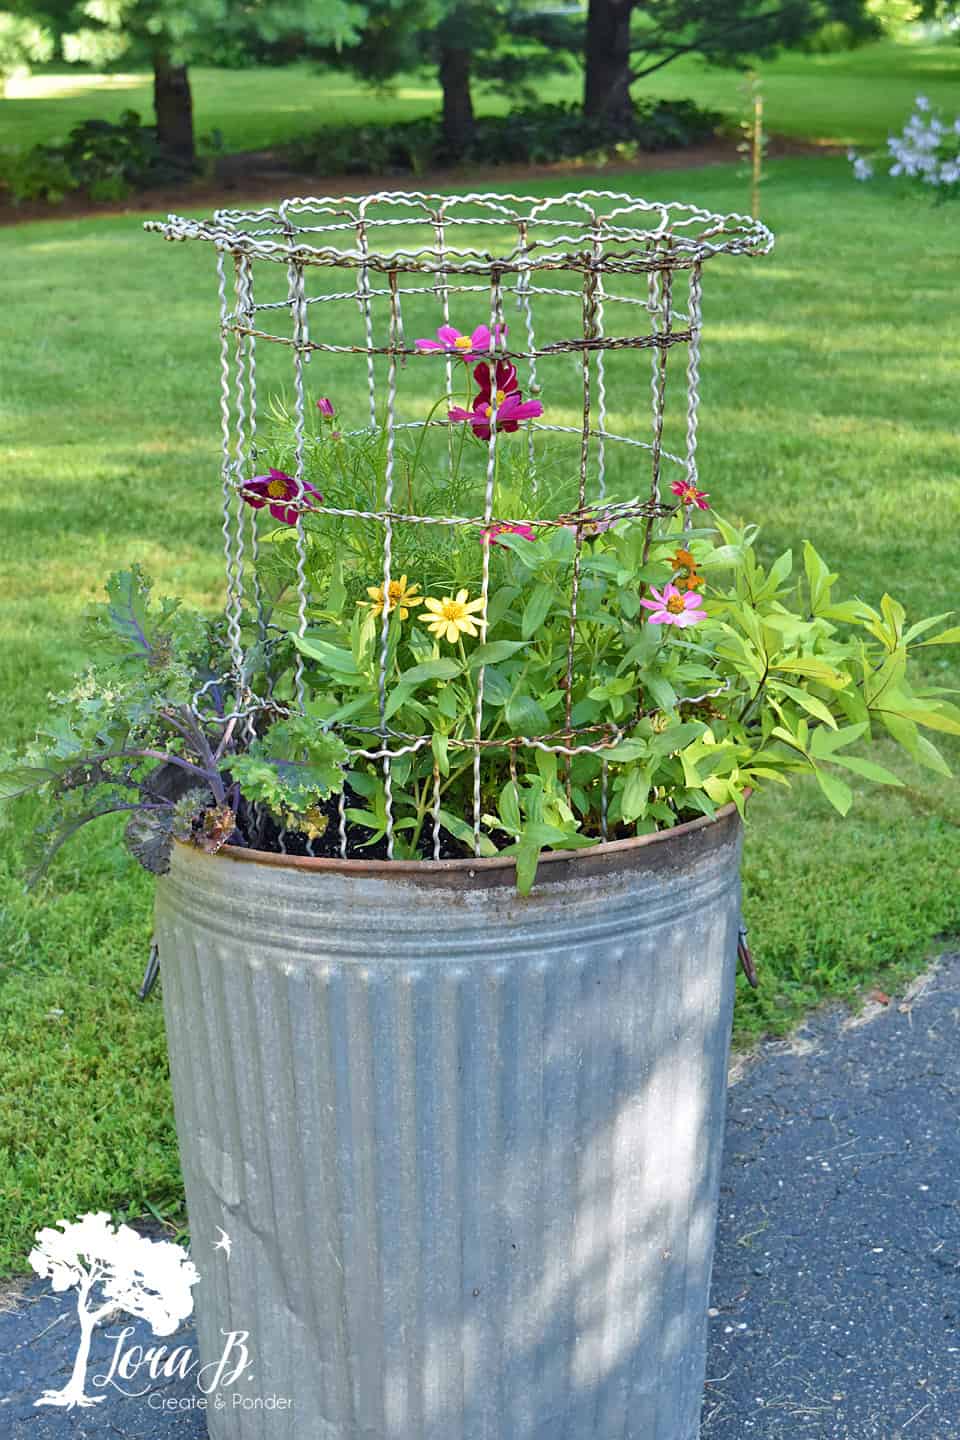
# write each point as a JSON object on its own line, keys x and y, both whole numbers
{"x": 853, "y": 97}
{"x": 829, "y": 409}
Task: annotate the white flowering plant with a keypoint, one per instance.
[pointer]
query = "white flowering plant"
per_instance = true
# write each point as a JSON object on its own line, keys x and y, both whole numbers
{"x": 927, "y": 151}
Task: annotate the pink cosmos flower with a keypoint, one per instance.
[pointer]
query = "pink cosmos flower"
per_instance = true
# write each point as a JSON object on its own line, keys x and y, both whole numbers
{"x": 690, "y": 495}
{"x": 671, "y": 608}
{"x": 278, "y": 489}
{"x": 325, "y": 407}
{"x": 503, "y": 527}
{"x": 509, "y": 414}
{"x": 467, "y": 347}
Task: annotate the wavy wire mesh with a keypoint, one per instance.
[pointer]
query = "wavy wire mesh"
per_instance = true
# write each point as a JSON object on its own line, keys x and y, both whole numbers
{"x": 484, "y": 251}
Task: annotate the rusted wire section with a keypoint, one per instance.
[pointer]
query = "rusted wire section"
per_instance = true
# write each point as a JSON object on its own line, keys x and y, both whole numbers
{"x": 556, "y": 347}
{"x": 590, "y": 517}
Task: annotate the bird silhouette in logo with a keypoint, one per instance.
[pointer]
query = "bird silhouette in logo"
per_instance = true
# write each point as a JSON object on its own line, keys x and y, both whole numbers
{"x": 224, "y": 1243}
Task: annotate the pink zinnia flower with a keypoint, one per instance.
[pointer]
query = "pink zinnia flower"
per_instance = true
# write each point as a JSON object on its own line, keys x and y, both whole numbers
{"x": 277, "y": 489}
{"x": 506, "y": 375}
{"x": 503, "y": 527}
{"x": 467, "y": 347}
{"x": 325, "y": 407}
{"x": 690, "y": 495}
{"x": 671, "y": 608}
{"x": 509, "y": 414}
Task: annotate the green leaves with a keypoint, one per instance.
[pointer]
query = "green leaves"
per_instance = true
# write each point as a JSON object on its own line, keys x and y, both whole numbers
{"x": 22, "y": 779}
{"x": 443, "y": 669}
{"x": 463, "y": 832}
{"x": 535, "y": 838}
{"x": 526, "y": 716}
{"x": 806, "y": 701}
{"x": 331, "y": 657}
{"x": 542, "y": 599}
{"x": 946, "y": 637}
{"x": 494, "y": 652}
{"x": 293, "y": 767}
{"x": 819, "y": 579}
{"x": 779, "y": 679}
{"x": 837, "y": 791}
{"x": 409, "y": 681}
{"x": 127, "y": 611}
{"x": 815, "y": 669}
{"x": 869, "y": 769}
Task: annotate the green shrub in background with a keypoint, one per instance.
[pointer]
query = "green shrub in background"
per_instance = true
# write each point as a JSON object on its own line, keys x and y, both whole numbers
{"x": 107, "y": 161}
{"x": 532, "y": 135}
{"x": 111, "y": 161}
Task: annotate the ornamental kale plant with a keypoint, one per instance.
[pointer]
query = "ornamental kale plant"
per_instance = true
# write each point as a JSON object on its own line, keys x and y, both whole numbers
{"x": 927, "y": 151}
{"x": 692, "y": 674}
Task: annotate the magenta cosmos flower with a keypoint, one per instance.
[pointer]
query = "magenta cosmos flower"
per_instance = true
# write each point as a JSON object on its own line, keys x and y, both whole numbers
{"x": 671, "y": 608}
{"x": 278, "y": 489}
{"x": 690, "y": 495}
{"x": 489, "y": 535}
{"x": 468, "y": 347}
{"x": 506, "y": 381}
{"x": 509, "y": 414}
{"x": 325, "y": 407}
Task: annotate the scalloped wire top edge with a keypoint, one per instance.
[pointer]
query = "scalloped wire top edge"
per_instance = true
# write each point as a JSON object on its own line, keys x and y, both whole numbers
{"x": 669, "y": 240}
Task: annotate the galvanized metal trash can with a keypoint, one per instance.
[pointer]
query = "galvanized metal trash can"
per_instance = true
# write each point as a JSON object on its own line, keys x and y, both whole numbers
{"x": 466, "y": 1145}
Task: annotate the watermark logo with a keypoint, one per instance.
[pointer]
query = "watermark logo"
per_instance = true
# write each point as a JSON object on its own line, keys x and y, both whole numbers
{"x": 117, "y": 1271}
{"x": 114, "y": 1269}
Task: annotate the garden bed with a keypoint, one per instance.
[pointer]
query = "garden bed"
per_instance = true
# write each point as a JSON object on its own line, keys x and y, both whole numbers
{"x": 259, "y": 175}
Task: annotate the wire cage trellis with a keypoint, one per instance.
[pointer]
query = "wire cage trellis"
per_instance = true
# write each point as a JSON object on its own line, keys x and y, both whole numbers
{"x": 599, "y": 255}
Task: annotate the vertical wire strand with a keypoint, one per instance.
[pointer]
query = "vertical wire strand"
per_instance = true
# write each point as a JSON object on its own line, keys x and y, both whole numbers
{"x": 436, "y": 811}
{"x": 601, "y": 378}
{"x": 587, "y": 323}
{"x": 366, "y": 312}
{"x": 523, "y": 293}
{"x": 694, "y": 321}
{"x": 363, "y": 297}
{"x": 661, "y": 322}
{"x": 388, "y": 553}
{"x": 442, "y": 283}
{"x": 245, "y": 276}
{"x": 240, "y": 431}
{"x": 226, "y": 472}
{"x": 247, "y": 458}
{"x": 298, "y": 306}
{"x": 342, "y": 823}
{"x": 298, "y": 311}
{"x": 496, "y": 340}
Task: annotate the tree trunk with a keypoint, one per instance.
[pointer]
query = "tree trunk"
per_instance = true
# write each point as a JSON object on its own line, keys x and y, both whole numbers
{"x": 173, "y": 105}
{"x": 606, "y": 90}
{"x": 454, "y": 70}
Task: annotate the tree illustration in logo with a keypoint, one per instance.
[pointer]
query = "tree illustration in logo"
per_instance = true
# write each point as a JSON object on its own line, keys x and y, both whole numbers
{"x": 116, "y": 1270}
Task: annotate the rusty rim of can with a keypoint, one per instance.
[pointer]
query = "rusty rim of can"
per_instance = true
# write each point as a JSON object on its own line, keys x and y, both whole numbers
{"x": 640, "y": 849}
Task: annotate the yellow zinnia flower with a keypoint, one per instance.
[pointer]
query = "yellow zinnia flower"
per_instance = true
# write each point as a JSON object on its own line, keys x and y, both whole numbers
{"x": 452, "y": 617}
{"x": 402, "y": 597}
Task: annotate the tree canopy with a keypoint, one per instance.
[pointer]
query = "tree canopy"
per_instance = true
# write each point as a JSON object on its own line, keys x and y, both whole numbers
{"x": 171, "y": 35}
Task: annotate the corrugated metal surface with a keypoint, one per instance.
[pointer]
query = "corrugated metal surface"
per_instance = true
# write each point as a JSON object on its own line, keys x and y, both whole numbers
{"x": 466, "y": 1145}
